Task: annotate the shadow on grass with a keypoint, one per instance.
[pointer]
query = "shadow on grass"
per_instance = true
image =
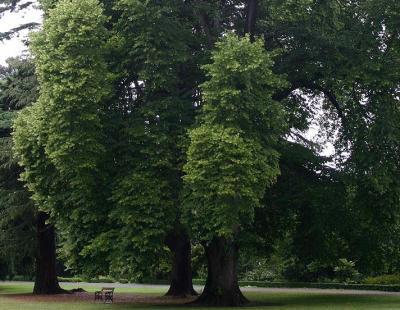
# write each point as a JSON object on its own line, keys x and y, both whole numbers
{"x": 258, "y": 300}
{"x": 250, "y": 305}
{"x": 305, "y": 301}
{"x": 321, "y": 301}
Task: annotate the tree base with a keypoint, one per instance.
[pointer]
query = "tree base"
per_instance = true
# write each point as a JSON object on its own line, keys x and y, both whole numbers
{"x": 51, "y": 291}
{"x": 176, "y": 292}
{"x": 222, "y": 287}
{"x": 46, "y": 282}
{"x": 229, "y": 299}
{"x": 181, "y": 274}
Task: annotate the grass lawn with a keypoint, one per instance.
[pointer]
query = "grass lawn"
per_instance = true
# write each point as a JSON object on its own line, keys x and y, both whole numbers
{"x": 260, "y": 300}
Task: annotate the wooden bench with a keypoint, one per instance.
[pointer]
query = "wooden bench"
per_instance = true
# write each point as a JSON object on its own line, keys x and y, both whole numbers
{"x": 106, "y": 295}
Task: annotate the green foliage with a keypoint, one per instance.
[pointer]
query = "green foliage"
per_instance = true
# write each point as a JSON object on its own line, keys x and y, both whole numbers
{"x": 345, "y": 270}
{"x": 230, "y": 158}
{"x": 17, "y": 238}
{"x": 145, "y": 213}
{"x": 388, "y": 279}
{"x": 227, "y": 176}
{"x": 356, "y": 79}
{"x": 73, "y": 83}
{"x": 59, "y": 140}
{"x": 154, "y": 37}
{"x": 151, "y": 54}
{"x": 239, "y": 91}
{"x": 263, "y": 270}
{"x": 46, "y": 5}
{"x": 304, "y": 215}
{"x": 18, "y": 86}
{"x": 6, "y": 118}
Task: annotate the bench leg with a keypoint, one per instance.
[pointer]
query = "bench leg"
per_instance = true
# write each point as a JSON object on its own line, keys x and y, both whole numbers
{"x": 108, "y": 298}
{"x": 98, "y": 295}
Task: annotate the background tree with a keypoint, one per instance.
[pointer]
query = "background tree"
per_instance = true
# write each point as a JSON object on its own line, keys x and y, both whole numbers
{"x": 26, "y": 239}
{"x": 18, "y": 89}
{"x": 353, "y": 75}
{"x": 307, "y": 208}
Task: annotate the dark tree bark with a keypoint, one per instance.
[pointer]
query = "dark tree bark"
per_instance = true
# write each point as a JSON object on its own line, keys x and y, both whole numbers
{"x": 251, "y": 17}
{"x": 46, "y": 281}
{"x": 181, "y": 274}
{"x": 222, "y": 287}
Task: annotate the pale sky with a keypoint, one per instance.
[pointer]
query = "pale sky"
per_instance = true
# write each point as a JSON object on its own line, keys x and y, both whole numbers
{"x": 15, "y": 46}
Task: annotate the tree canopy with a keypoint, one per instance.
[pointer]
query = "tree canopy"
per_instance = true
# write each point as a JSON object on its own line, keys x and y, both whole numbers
{"x": 189, "y": 121}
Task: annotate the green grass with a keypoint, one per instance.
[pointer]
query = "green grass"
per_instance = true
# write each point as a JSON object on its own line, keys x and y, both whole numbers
{"x": 267, "y": 301}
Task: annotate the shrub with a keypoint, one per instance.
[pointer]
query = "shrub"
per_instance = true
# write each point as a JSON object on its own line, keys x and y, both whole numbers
{"x": 73, "y": 279}
{"x": 261, "y": 271}
{"x": 383, "y": 279}
{"x": 102, "y": 279}
{"x": 345, "y": 271}
{"x": 21, "y": 278}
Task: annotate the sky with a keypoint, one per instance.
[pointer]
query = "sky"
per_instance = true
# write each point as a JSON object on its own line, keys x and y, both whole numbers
{"x": 15, "y": 46}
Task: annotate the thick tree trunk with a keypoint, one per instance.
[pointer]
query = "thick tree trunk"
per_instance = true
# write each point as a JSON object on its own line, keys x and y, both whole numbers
{"x": 46, "y": 281}
{"x": 181, "y": 273}
{"x": 222, "y": 287}
{"x": 251, "y": 17}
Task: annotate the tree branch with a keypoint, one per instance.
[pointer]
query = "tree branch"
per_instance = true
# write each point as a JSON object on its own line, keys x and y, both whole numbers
{"x": 329, "y": 94}
{"x": 312, "y": 86}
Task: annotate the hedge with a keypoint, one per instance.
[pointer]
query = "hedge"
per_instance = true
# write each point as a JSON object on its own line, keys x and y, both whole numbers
{"x": 342, "y": 286}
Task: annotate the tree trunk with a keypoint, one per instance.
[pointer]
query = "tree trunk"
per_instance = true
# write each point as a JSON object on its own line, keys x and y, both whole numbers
{"x": 181, "y": 273}
{"x": 251, "y": 16}
{"x": 46, "y": 281}
{"x": 222, "y": 287}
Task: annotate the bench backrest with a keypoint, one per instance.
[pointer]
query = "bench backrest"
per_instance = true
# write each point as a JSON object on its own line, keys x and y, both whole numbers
{"x": 108, "y": 289}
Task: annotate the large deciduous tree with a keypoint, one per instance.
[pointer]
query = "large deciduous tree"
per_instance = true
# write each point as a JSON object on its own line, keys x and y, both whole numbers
{"x": 59, "y": 139}
{"x": 154, "y": 54}
{"x": 231, "y": 158}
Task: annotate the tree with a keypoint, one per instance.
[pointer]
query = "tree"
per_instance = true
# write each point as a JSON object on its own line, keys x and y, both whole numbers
{"x": 231, "y": 158}
{"x": 17, "y": 90}
{"x": 357, "y": 77}
{"x": 61, "y": 147}
{"x": 151, "y": 109}
{"x": 307, "y": 208}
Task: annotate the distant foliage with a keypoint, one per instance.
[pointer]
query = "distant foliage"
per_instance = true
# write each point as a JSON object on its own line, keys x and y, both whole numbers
{"x": 388, "y": 279}
{"x": 18, "y": 89}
